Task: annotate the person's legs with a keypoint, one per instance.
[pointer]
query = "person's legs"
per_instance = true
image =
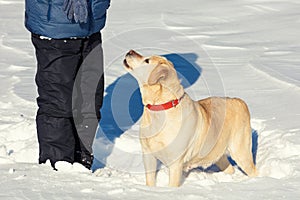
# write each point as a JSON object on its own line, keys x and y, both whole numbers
{"x": 58, "y": 62}
{"x": 93, "y": 70}
{"x": 89, "y": 86}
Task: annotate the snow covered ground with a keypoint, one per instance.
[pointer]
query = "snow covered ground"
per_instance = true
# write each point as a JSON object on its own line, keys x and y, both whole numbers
{"x": 248, "y": 49}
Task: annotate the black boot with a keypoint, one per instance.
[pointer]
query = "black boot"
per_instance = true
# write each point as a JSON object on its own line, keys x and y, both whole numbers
{"x": 86, "y": 159}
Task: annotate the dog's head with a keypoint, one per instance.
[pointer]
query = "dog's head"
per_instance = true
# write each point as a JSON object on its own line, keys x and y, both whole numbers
{"x": 156, "y": 76}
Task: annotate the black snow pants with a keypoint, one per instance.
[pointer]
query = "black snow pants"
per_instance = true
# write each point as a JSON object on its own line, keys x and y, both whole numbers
{"x": 70, "y": 83}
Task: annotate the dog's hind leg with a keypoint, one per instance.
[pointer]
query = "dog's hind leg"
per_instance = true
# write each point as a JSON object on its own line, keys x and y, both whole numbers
{"x": 240, "y": 151}
{"x": 224, "y": 165}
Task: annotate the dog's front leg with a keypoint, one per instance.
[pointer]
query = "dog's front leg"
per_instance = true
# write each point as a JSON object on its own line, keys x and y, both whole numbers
{"x": 175, "y": 174}
{"x": 150, "y": 164}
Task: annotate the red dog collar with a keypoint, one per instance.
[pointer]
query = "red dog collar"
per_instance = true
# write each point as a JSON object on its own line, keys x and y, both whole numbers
{"x": 165, "y": 106}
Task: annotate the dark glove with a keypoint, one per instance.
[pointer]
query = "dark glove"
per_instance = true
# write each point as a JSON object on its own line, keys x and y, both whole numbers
{"x": 77, "y": 10}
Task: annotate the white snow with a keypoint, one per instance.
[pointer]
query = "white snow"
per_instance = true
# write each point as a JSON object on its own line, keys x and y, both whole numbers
{"x": 248, "y": 49}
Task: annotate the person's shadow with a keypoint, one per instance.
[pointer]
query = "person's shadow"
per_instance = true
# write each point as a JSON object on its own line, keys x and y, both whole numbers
{"x": 122, "y": 104}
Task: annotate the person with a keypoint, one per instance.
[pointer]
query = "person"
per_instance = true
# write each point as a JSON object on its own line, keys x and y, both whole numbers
{"x": 66, "y": 35}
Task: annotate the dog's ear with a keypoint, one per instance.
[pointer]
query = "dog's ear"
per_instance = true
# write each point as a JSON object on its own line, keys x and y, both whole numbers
{"x": 160, "y": 73}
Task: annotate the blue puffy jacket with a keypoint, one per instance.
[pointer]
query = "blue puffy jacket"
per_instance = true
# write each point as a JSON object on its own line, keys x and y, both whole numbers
{"x": 47, "y": 18}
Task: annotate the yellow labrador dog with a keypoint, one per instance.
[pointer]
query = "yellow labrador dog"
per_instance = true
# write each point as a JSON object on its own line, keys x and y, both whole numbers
{"x": 184, "y": 134}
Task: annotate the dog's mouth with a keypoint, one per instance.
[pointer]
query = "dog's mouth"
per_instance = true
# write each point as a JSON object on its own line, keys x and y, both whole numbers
{"x": 131, "y": 55}
{"x": 126, "y": 64}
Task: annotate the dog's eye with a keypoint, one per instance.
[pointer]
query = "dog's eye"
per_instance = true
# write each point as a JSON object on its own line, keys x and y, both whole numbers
{"x": 147, "y": 60}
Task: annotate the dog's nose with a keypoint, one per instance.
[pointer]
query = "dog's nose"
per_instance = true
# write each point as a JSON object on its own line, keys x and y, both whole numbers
{"x": 134, "y": 54}
{"x": 131, "y": 53}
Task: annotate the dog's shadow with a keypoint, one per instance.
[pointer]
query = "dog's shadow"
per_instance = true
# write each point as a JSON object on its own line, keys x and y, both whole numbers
{"x": 122, "y": 104}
